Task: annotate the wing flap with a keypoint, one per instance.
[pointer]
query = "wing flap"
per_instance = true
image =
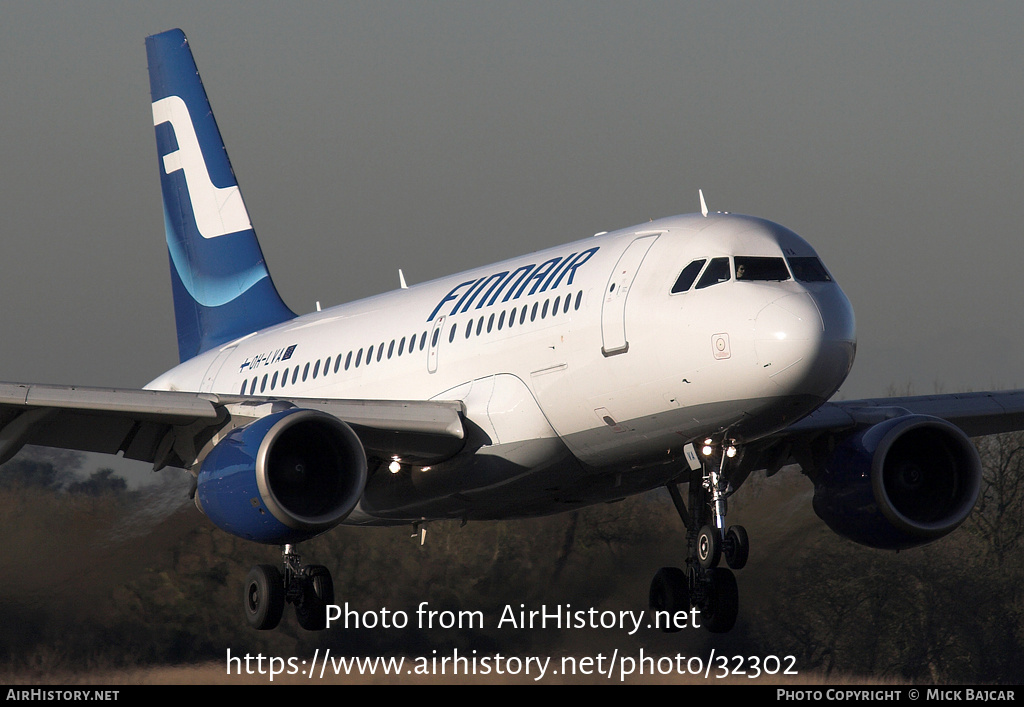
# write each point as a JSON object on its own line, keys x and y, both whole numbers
{"x": 428, "y": 417}
{"x": 416, "y": 431}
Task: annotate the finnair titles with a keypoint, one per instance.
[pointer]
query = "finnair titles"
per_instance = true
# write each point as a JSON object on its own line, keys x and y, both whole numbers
{"x": 549, "y": 275}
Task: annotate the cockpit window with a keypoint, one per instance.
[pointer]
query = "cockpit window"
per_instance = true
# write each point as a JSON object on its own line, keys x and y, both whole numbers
{"x": 716, "y": 272}
{"x": 687, "y": 276}
{"x": 749, "y": 267}
{"x": 809, "y": 269}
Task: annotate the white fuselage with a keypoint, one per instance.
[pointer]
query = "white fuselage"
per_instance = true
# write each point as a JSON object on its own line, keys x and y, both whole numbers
{"x": 577, "y": 364}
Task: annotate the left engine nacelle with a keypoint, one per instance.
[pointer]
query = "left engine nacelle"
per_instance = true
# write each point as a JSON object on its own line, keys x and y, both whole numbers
{"x": 284, "y": 478}
{"x": 900, "y": 483}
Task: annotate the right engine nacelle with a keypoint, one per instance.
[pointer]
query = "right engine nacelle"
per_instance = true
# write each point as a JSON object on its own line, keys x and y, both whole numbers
{"x": 284, "y": 478}
{"x": 900, "y": 483}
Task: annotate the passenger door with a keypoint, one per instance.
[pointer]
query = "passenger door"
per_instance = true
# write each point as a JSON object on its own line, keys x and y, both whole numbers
{"x": 613, "y": 308}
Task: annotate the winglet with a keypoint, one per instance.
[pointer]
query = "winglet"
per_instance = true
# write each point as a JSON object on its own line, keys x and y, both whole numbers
{"x": 703, "y": 205}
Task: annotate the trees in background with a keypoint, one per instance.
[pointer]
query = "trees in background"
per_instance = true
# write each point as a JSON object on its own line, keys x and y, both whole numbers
{"x": 79, "y": 595}
{"x": 946, "y": 612}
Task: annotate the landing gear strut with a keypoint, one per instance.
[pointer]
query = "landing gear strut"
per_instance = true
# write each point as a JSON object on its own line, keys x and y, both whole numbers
{"x": 268, "y": 588}
{"x": 703, "y": 584}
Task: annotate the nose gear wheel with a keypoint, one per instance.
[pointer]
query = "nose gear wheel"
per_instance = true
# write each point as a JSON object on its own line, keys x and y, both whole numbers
{"x": 703, "y": 584}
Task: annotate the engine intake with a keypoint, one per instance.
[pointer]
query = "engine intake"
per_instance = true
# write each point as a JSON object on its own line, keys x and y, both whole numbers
{"x": 900, "y": 483}
{"x": 284, "y": 478}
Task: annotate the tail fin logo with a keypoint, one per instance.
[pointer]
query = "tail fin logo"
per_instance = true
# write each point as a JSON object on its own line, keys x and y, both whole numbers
{"x": 218, "y": 210}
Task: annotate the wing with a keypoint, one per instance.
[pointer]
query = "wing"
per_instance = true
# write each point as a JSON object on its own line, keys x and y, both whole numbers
{"x": 806, "y": 441}
{"x": 891, "y": 472}
{"x": 977, "y": 414}
{"x": 171, "y": 428}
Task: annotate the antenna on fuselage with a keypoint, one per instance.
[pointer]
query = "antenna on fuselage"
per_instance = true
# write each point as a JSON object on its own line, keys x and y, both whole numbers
{"x": 401, "y": 280}
{"x": 703, "y": 204}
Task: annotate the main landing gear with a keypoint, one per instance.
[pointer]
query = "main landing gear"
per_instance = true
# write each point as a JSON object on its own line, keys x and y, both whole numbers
{"x": 309, "y": 588}
{"x": 703, "y": 584}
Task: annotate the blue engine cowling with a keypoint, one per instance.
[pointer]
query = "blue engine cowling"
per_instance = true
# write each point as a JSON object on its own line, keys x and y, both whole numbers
{"x": 900, "y": 483}
{"x": 284, "y": 478}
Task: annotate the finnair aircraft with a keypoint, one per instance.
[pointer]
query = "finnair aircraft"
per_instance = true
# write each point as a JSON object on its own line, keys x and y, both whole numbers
{"x": 693, "y": 350}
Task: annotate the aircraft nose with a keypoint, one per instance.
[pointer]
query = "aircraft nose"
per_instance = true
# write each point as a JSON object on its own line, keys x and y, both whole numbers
{"x": 806, "y": 344}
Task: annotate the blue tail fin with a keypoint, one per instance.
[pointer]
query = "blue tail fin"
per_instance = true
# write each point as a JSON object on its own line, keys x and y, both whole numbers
{"x": 222, "y": 288}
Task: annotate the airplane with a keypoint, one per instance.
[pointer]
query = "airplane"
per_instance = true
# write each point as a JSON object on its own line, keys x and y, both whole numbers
{"x": 695, "y": 349}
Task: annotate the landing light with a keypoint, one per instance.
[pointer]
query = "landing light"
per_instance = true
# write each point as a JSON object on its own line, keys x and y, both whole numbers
{"x": 707, "y": 450}
{"x": 730, "y": 452}
{"x": 395, "y": 466}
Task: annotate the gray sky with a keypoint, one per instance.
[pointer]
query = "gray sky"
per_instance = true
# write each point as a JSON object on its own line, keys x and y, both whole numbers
{"x": 437, "y": 136}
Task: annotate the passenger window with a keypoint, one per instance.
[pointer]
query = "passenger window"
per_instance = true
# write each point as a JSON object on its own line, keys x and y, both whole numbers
{"x": 316, "y": 369}
{"x": 348, "y": 360}
{"x": 242, "y": 391}
{"x": 579, "y": 300}
{"x": 273, "y": 381}
{"x": 716, "y": 272}
{"x": 762, "y": 269}
{"x": 809, "y": 269}
{"x": 685, "y": 280}
{"x": 451, "y": 334}
{"x": 401, "y": 346}
{"x": 305, "y": 372}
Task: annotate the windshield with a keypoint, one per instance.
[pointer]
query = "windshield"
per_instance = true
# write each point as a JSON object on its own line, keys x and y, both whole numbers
{"x": 809, "y": 269}
{"x": 749, "y": 267}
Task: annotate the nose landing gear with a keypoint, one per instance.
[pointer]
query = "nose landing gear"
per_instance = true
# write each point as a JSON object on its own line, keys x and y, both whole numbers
{"x": 309, "y": 588}
{"x": 703, "y": 584}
